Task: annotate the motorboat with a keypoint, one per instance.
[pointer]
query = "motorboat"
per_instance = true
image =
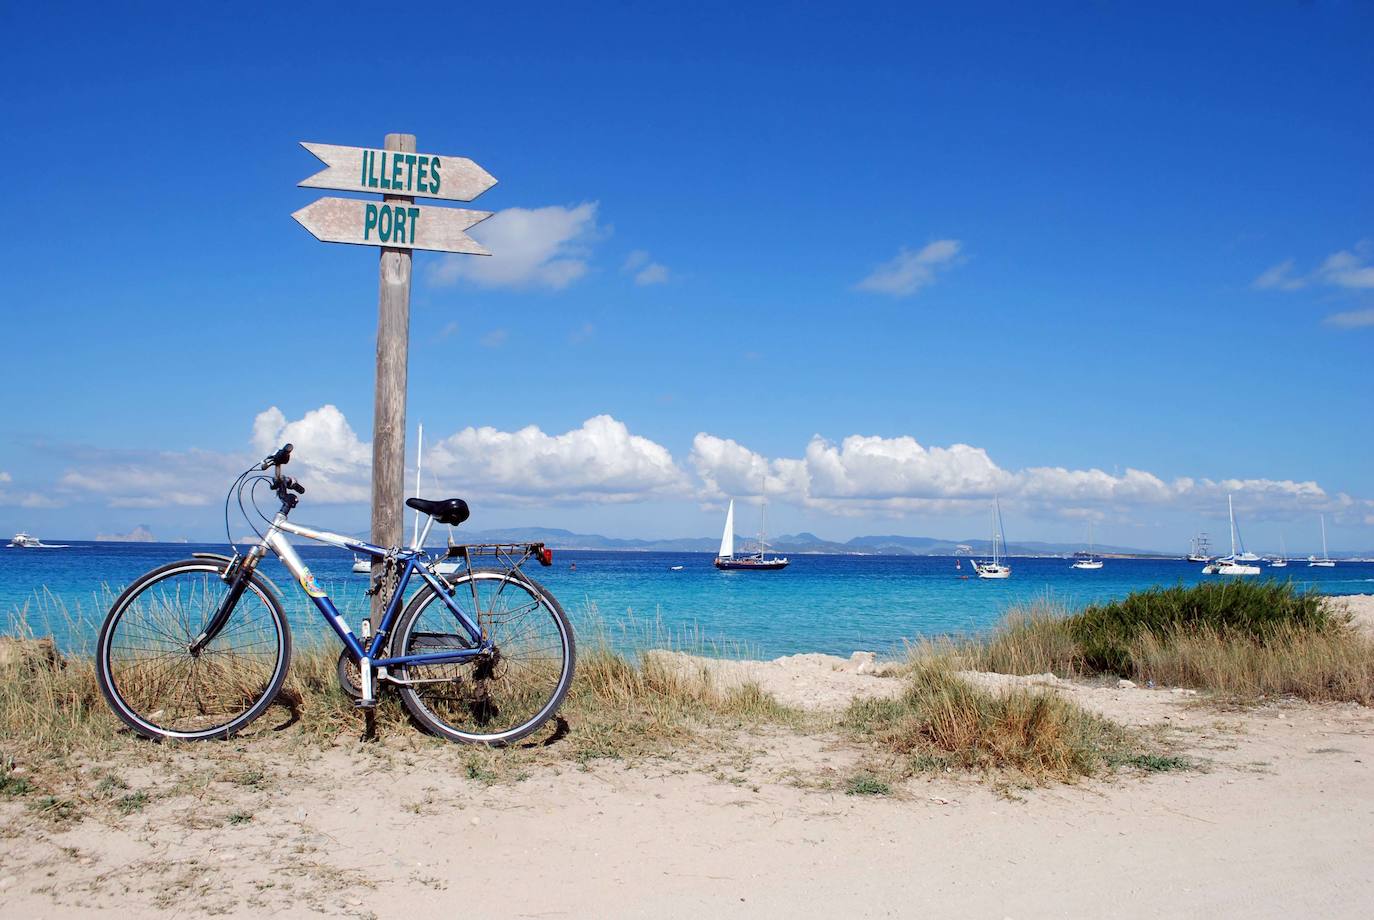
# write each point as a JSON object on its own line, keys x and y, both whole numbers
{"x": 23, "y": 540}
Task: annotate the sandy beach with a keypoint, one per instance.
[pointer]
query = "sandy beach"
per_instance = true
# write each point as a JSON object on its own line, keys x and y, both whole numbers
{"x": 1273, "y": 819}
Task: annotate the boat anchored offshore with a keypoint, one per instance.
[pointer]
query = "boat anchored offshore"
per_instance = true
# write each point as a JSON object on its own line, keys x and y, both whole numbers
{"x": 1281, "y": 560}
{"x": 23, "y": 540}
{"x": 1325, "y": 562}
{"x": 1088, "y": 561}
{"x": 726, "y": 560}
{"x": 994, "y": 567}
{"x": 1201, "y": 550}
{"x": 1236, "y": 563}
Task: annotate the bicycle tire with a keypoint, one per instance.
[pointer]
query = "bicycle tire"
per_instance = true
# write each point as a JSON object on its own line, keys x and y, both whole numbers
{"x": 420, "y": 703}
{"x": 116, "y": 677}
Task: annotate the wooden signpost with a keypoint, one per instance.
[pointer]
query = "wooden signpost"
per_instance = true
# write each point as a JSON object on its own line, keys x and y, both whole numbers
{"x": 397, "y": 225}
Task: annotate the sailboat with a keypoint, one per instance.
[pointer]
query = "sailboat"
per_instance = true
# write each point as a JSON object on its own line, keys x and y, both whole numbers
{"x": 1325, "y": 562}
{"x": 726, "y": 559}
{"x": 1236, "y": 563}
{"x": 1281, "y": 560}
{"x": 362, "y": 565}
{"x": 1088, "y": 562}
{"x": 995, "y": 567}
{"x": 1201, "y": 550}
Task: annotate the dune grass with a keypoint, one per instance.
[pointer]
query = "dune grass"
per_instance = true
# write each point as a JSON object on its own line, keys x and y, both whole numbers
{"x": 1242, "y": 640}
{"x": 944, "y": 721}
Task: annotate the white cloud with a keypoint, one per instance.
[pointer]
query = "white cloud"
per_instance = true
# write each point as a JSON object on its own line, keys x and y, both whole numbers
{"x": 1352, "y": 269}
{"x": 599, "y": 462}
{"x": 910, "y": 271}
{"x": 645, "y": 270}
{"x": 1352, "y": 319}
{"x": 5, "y": 477}
{"x": 495, "y": 338}
{"x": 1349, "y": 269}
{"x": 531, "y": 248}
{"x": 865, "y": 475}
{"x": 1278, "y": 277}
{"x": 328, "y": 455}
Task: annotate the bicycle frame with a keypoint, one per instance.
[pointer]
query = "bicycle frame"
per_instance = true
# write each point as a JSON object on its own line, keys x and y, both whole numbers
{"x": 411, "y": 560}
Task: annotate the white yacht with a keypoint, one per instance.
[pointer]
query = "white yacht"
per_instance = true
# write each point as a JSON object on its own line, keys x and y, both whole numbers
{"x": 1201, "y": 550}
{"x": 23, "y": 540}
{"x": 1325, "y": 562}
{"x": 994, "y": 567}
{"x": 1088, "y": 561}
{"x": 1238, "y": 563}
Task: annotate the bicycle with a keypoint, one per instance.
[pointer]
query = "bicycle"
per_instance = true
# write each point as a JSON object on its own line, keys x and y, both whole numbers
{"x": 199, "y": 648}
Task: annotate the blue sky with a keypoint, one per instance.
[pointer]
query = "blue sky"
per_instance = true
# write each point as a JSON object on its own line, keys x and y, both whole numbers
{"x": 1080, "y": 239}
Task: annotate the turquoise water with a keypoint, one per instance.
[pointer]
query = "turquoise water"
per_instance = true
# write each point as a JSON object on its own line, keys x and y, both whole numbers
{"x": 832, "y": 604}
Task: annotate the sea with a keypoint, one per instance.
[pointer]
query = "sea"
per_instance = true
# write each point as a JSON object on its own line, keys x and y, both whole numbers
{"x": 836, "y": 604}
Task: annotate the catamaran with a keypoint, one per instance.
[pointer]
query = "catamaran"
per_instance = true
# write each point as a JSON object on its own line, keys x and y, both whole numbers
{"x": 1325, "y": 562}
{"x": 1237, "y": 562}
{"x": 1088, "y": 562}
{"x": 1201, "y": 550}
{"x": 994, "y": 567}
{"x": 754, "y": 562}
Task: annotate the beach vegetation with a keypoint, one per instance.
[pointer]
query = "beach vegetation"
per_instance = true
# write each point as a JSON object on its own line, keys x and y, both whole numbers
{"x": 1237, "y": 639}
{"x": 943, "y": 720}
{"x": 866, "y": 784}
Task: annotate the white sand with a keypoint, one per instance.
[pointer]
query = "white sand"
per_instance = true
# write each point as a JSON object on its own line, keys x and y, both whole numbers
{"x": 1279, "y": 823}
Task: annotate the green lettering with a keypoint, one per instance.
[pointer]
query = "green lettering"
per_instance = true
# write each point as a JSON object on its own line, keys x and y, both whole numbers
{"x": 369, "y": 220}
{"x": 434, "y": 176}
{"x": 384, "y": 224}
{"x": 372, "y": 169}
{"x": 400, "y": 228}
{"x": 386, "y": 180}
{"x": 363, "y": 181}
{"x": 414, "y": 221}
{"x": 420, "y": 180}
{"x": 396, "y": 163}
{"x": 410, "y": 171}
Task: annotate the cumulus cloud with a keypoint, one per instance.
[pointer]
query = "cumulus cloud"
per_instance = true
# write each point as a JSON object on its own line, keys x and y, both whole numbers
{"x": 865, "y": 475}
{"x": 531, "y": 248}
{"x": 910, "y": 271}
{"x": 644, "y": 269}
{"x": 1352, "y": 269}
{"x": 601, "y": 462}
{"x": 328, "y": 453}
{"x": 1352, "y": 319}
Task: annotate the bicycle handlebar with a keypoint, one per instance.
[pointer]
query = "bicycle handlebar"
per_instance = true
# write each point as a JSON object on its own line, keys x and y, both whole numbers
{"x": 280, "y": 458}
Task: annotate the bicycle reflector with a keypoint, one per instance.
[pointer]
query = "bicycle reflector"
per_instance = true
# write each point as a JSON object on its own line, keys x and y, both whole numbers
{"x": 545, "y": 556}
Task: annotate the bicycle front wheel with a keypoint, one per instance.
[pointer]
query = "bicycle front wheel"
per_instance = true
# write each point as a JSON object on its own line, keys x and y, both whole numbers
{"x": 158, "y": 687}
{"x": 494, "y": 699}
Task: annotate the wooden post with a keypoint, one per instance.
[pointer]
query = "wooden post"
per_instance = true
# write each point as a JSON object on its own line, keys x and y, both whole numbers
{"x": 389, "y": 406}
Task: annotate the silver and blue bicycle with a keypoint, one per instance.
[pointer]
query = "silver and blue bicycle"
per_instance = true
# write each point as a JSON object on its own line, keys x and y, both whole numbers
{"x": 199, "y": 648}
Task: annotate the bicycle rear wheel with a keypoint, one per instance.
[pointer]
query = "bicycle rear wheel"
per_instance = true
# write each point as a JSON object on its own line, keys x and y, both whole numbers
{"x": 150, "y": 677}
{"x": 492, "y": 700}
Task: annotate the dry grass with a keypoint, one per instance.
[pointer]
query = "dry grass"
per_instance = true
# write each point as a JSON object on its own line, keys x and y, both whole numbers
{"x": 1241, "y": 644}
{"x": 1334, "y": 665}
{"x": 944, "y": 721}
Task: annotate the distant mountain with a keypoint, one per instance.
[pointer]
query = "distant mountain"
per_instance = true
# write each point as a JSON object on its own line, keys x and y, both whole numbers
{"x": 799, "y": 543}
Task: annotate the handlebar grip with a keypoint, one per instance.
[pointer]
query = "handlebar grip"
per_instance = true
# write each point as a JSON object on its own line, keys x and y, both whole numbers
{"x": 280, "y": 458}
{"x": 295, "y": 486}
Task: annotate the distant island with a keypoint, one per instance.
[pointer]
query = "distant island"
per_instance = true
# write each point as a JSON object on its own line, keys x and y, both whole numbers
{"x": 799, "y": 544}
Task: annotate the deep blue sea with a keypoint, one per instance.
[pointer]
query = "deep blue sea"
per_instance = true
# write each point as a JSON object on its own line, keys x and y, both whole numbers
{"x": 834, "y": 604}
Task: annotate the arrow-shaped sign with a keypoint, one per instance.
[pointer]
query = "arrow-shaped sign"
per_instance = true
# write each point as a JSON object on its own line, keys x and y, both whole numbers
{"x": 397, "y": 224}
{"x": 392, "y": 172}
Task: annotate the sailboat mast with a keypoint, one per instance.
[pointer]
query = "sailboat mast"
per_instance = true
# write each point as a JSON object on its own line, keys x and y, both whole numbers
{"x": 419, "y": 459}
{"x": 1230, "y": 510}
{"x": 1325, "y": 554}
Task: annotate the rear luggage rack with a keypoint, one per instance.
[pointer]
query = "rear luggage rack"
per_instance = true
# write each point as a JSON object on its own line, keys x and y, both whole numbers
{"x": 513, "y": 554}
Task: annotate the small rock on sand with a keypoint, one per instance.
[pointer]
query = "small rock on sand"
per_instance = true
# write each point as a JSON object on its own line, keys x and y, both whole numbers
{"x": 1125, "y": 684}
